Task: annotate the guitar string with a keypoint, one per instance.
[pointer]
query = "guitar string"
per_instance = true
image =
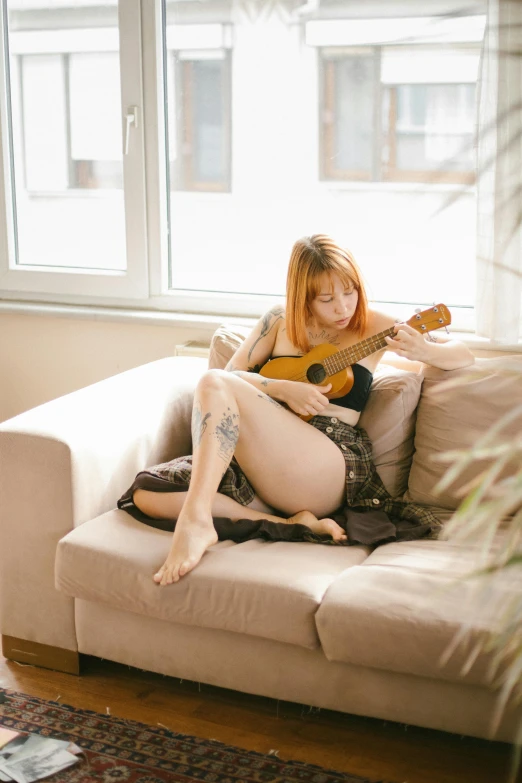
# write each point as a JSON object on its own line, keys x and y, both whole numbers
{"x": 354, "y": 352}
{"x": 357, "y": 351}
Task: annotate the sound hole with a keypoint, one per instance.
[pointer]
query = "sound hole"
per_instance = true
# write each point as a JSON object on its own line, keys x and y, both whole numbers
{"x": 316, "y": 373}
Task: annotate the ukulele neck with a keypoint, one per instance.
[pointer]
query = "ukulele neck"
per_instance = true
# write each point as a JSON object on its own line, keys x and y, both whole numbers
{"x": 342, "y": 359}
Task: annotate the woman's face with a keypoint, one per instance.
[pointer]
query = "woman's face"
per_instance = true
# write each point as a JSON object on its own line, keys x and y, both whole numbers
{"x": 335, "y": 304}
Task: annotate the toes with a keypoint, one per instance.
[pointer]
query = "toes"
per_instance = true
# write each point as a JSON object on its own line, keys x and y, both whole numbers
{"x": 166, "y": 576}
{"x": 158, "y": 576}
{"x": 170, "y": 576}
{"x": 335, "y": 530}
{"x": 185, "y": 567}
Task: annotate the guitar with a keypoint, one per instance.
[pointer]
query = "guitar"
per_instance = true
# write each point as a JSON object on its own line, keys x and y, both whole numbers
{"x": 325, "y": 364}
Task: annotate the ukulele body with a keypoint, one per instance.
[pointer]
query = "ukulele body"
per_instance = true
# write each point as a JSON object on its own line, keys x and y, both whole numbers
{"x": 310, "y": 369}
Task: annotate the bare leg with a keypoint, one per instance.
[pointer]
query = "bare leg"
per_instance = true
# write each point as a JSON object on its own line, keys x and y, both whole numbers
{"x": 168, "y": 505}
{"x": 303, "y": 469}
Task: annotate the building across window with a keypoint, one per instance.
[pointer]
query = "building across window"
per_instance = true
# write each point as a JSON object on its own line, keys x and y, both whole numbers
{"x": 201, "y": 158}
{"x": 398, "y": 114}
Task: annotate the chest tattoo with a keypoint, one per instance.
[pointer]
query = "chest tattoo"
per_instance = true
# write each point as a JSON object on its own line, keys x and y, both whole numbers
{"x": 323, "y": 337}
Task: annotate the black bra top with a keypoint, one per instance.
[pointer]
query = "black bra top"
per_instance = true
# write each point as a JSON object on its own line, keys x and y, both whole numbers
{"x": 358, "y": 395}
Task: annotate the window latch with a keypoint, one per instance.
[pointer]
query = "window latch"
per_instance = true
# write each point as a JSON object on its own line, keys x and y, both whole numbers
{"x": 131, "y": 118}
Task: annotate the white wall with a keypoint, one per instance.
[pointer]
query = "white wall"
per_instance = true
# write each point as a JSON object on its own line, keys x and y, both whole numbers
{"x": 43, "y": 357}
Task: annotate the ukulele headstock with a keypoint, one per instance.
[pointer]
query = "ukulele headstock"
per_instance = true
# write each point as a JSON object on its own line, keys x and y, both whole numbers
{"x": 432, "y": 318}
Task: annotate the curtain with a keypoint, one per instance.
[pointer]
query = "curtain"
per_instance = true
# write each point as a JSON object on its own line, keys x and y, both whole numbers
{"x": 499, "y": 176}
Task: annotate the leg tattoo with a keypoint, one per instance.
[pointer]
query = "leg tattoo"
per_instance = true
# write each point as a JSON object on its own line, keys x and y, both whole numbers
{"x": 227, "y": 433}
{"x": 199, "y": 424}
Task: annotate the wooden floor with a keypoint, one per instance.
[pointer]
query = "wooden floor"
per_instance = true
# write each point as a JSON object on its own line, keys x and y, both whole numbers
{"x": 361, "y": 746}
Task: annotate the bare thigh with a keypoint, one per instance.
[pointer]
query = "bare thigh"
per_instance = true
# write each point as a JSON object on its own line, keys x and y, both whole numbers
{"x": 291, "y": 465}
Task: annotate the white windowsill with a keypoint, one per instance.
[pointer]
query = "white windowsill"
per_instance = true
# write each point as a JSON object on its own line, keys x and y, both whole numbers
{"x": 198, "y": 322}
{"x": 207, "y": 323}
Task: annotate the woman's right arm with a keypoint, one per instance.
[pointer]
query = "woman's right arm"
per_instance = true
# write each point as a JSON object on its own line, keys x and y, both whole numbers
{"x": 256, "y": 350}
{"x": 258, "y": 347}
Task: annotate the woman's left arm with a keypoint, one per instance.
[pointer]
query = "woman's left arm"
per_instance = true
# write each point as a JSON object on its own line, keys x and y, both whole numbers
{"x": 439, "y": 352}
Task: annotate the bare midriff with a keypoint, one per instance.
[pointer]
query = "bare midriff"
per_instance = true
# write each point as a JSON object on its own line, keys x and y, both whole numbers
{"x": 346, "y": 415}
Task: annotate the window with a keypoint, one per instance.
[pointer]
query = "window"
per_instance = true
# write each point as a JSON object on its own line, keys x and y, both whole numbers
{"x": 72, "y": 228}
{"x": 395, "y": 115}
{"x": 166, "y": 154}
{"x": 78, "y": 92}
{"x": 201, "y": 159}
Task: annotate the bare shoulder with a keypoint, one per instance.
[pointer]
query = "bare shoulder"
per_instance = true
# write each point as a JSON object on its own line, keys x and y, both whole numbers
{"x": 276, "y": 313}
{"x": 378, "y": 321}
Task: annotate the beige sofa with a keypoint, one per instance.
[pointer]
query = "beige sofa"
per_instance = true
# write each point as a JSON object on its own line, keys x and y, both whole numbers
{"x": 339, "y": 627}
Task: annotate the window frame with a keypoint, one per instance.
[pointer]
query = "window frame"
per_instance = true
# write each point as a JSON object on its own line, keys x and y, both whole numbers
{"x": 133, "y": 283}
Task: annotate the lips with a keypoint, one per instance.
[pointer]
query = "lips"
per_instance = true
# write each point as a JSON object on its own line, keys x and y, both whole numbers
{"x": 342, "y": 322}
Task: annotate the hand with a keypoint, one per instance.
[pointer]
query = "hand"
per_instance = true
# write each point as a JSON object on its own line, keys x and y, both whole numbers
{"x": 305, "y": 398}
{"x": 407, "y": 342}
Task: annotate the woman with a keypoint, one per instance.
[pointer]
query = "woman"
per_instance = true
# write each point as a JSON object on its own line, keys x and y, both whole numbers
{"x": 298, "y": 472}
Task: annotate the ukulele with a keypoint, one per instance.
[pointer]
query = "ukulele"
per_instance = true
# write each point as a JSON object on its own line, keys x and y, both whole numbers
{"x": 325, "y": 364}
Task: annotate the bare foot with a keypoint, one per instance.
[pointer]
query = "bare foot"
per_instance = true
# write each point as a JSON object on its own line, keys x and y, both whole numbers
{"x": 191, "y": 541}
{"x": 325, "y": 527}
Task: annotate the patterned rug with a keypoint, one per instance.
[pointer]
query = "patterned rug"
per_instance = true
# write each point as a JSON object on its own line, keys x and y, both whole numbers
{"x": 117, "y": 750}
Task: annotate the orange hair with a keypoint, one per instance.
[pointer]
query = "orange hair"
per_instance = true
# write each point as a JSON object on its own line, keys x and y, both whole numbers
{"x": 311, "y": 258}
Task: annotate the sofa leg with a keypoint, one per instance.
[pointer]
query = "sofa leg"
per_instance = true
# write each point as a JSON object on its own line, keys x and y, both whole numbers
{"x": 41, "y": 655}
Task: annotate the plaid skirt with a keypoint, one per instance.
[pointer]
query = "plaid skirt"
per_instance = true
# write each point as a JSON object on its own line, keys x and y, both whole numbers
{"x": 369, "y": 515}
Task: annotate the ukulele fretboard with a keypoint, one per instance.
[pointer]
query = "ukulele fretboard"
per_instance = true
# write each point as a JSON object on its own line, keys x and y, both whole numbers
{"x": 342, "y": 359}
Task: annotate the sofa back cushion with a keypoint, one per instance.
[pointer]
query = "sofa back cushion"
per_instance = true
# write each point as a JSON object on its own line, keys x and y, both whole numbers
{"x": 389, "y": 415}
{"x": 389, "y": 419}
{"x": 454, "y": 417}
{"x": 226, "y": 340}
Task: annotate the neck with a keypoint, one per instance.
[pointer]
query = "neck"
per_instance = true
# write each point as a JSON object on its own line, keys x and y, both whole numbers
{"x": 342, "y": 359}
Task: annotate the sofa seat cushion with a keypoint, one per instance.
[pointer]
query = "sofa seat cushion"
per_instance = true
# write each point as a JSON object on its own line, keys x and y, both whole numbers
{"x": 267, "y": 589}
{"x": 401, "y": 609}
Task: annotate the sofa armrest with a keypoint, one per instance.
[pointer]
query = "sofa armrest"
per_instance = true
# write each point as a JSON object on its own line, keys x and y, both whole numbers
{"x": 68, "y": 461}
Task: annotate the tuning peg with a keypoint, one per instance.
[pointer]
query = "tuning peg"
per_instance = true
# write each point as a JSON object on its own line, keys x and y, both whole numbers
{"x": 417, "y": 309}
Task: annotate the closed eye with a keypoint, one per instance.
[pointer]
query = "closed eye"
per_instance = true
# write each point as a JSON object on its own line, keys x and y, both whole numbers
{"x": 348, "y": 292}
